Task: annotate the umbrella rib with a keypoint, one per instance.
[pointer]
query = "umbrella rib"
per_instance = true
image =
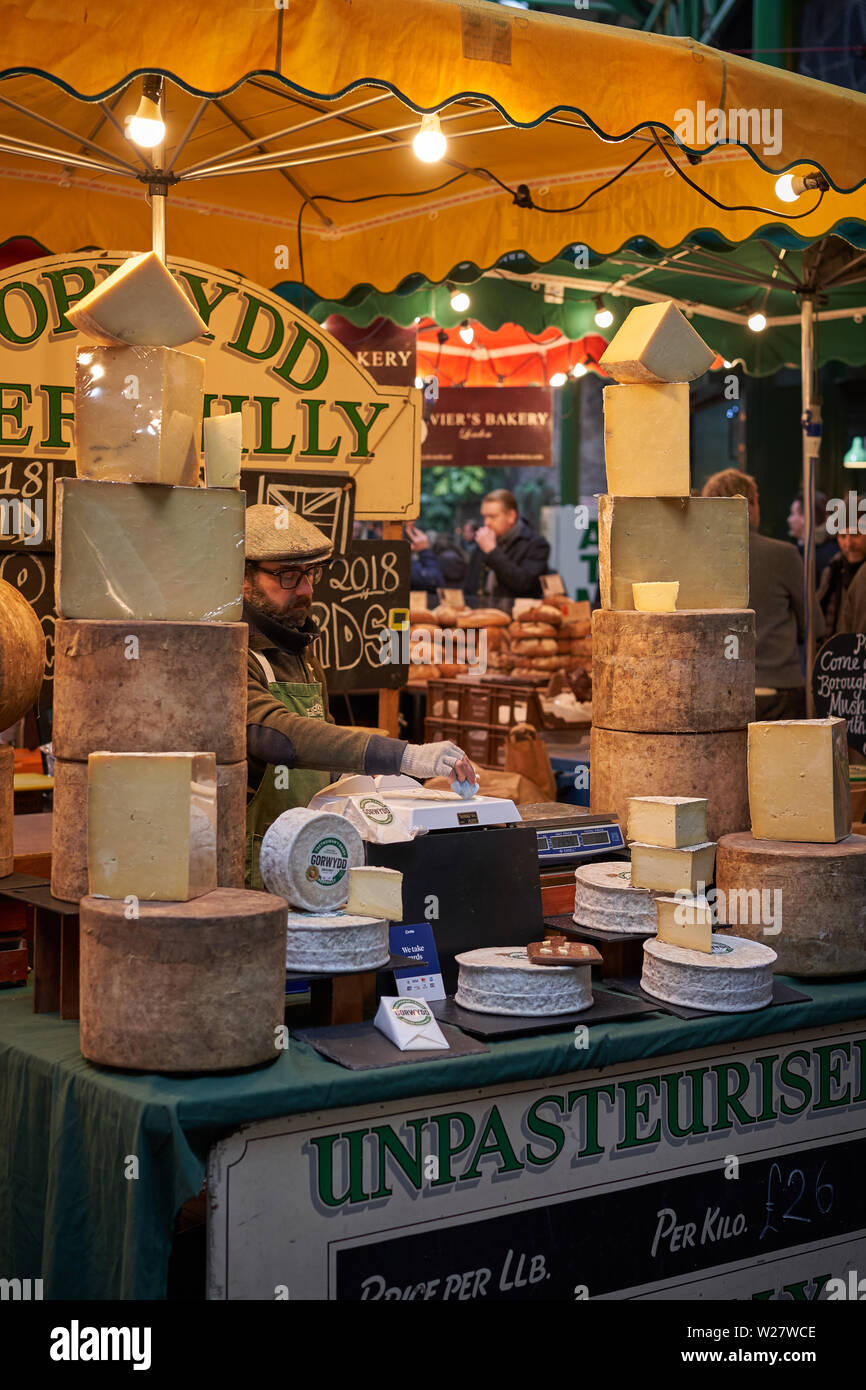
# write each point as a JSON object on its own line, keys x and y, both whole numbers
{"x": 148, "y": 164}
{"x": 296, "y": 185}
{"x": 10, "y": 144}
{"x": 203, "y": 105}
{"x": 63, "y": 130}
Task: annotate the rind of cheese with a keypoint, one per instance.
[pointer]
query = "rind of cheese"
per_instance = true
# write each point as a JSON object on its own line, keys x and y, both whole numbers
{"x": 687, "y": 923}
{"x": 22, "y": 655}
{"x": 701, "y": 541}
{"x": 655, "y": 598}
{"x": 673, "y": 822}
{"x": 140, "y": 304}
{"x": 656, "y": 344}
{"x": 688, "y": 869}
{"x": 223, "y": 440}
{"x": 138, "y": 415}
{"x": 7, "y": 809}
{"x": 150, "y": 552}
{"x": 799, "y": 786}
{"x": 646, "y": 440}
{"x": 375, "y": 892}
{"x": 152, "y": 825}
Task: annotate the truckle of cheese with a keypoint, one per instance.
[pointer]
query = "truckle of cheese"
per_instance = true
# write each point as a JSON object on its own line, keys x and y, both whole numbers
{"x": 140, "y": 303}
{"x": 735, "y": 976}
{"x": 623, "y": 765}
{"x": 197, "y": 986}
{"x": 666, "y": 673}
{"x": 816, "y": 894}
{"x": 646, "y": 440}
{"x": 306, "y": 856}
{"x": 69, "y": 829}
{"x": 148, "y": 687}
{"x": 799, "y": 787}
{"x": 135, "y": 550}
{"x": 336, "y": 943}
{"x": 138, "y": 414}
{"x": 656, "y": 343}
{"x": 703, "y": 542}
{"x": 7, "y": 799}
{"x": 22, "y": 655}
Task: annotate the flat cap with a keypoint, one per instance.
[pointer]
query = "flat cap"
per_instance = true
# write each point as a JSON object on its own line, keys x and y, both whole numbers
{"x": 279, "y": 533}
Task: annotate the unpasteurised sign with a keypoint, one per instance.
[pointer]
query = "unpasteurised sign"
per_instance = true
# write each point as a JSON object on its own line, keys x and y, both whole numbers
{"x": 305, "y": 399}
{"x": 497, "y": 426}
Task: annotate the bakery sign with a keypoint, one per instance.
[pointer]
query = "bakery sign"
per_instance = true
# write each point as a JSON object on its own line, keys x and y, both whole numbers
{"x": 492, "y": 426}
{"x": 305, "y": 399}
{"x": 727, "y": 1172}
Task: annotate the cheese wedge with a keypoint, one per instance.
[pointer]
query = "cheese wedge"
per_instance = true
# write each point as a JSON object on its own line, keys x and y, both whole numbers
{"x": 375, "y": 892}
{"x": 656, "y": 343}
{"x": 703, "y": 542}
{"x": 671, "y": 821}
{"x": 646, "y": 440}
{"x": 138, "y": 415}
{"x": 223, "y": 439}
{"x": 140, "y": 304}
{"x": 655, "y": 598}
{"x": 665, "y": 870}
{"x": 686, "y": 922}
{"x": 799, "y": 787}
{"x": 152, "y": 825}
{"x": 130, "y": 551}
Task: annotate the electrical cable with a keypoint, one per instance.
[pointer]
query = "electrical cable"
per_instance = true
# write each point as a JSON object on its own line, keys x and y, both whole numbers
{"x": 735, "y": 207}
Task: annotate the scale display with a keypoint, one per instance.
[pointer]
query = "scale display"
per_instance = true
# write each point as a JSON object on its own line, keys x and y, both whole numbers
{"x": 556, "y": 845}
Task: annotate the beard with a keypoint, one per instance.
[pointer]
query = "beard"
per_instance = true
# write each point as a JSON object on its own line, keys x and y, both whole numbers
{"x": 294, "y": 616}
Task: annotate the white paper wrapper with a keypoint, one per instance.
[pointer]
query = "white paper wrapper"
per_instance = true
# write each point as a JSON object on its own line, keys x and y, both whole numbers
{"x": 409, "y": 1025}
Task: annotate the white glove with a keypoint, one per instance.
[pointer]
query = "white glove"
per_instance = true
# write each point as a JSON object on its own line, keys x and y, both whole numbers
{"x": 431, "y": 759}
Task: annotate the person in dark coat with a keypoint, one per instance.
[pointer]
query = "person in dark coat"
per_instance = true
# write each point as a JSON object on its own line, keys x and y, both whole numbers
{"x": 425, "y": 569}
{"x": 509, "y": 557}
{"x": 836, "y": 582}
{"x": 826, "y": 546}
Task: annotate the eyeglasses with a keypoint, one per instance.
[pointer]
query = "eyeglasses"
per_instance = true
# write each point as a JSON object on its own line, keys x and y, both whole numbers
{"x": 291, "y": 576}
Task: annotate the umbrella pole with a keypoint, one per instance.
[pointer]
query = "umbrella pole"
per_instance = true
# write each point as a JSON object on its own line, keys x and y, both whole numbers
{"x": 158, "y": 195}
{"x": 811, "y": 421}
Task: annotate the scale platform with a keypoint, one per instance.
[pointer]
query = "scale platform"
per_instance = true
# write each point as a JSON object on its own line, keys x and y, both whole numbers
{"x": 427, "y": 809}
{"x": 569, "y": 835}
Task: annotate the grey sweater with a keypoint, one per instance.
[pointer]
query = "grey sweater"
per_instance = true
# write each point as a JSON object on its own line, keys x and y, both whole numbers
{"x": 776, "y": 594}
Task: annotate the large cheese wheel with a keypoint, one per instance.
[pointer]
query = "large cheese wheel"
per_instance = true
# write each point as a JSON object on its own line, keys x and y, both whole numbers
{"x": 710, "y": 765}
{"x": 69, "y": 879}
{"x": 306, "y": 856}
{"x": 7, "y": 799}
{"x": 196, "y": 986}
{"x": 22, "y": 655}
{"x": 681, "y": 672}
{"x": 817, "y": 892}
{"x": 149, "y": 687}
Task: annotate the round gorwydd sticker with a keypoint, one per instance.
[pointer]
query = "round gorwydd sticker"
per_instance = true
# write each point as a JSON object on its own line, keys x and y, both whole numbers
{"x": 411, "y": 1011}
{"x": 719, "y": 948}
{"x": 376, "y": 810}
{"x": 329, "y": 861}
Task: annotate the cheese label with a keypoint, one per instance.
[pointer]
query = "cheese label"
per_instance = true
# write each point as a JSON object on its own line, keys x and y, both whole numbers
{"x": 329, "y": 860}
{"x": 720, "y": 948}
{"x": 376, "y": 811}
{"x": 411, "y": 1011}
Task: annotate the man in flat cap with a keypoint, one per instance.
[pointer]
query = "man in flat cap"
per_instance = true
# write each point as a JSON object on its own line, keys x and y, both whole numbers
{"x": 294, "y": 748}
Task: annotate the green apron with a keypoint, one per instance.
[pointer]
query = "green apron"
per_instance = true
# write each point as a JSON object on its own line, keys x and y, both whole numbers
{"x": 269, "y": 802}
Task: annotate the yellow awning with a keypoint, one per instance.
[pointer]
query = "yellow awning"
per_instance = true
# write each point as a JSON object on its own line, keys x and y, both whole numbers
{"x": 325, "y": 89}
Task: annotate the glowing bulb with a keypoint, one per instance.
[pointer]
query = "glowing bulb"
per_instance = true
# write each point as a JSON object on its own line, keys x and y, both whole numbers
{"x": 578, "y": 369}
{"x": 785, "y": 189}
{"x": 467, "y": 332}
{"x": 604, "y": 318}
{"x": 558, "y": 379}
{"x": 419, "y": 382}
{"x": 757, "y": 323}
{"x": 726, "y": 363}
{"x": 429, "y": 144}
{"x": 460, "y": 301}
{"x": 146, "y": 128}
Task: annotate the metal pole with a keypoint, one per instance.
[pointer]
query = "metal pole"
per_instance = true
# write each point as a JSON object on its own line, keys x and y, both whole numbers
{"x": 158, "y": 195}
{"x": 811, "y": 445}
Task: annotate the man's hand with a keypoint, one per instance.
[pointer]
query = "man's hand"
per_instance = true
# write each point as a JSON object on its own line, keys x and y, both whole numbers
{"x": 424, "y": 760}
{"x": 486, "y": 539}
{"x": 418, "y": 539}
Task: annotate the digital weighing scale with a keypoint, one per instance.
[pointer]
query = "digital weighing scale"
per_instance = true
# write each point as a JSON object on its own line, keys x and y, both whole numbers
{"x": 569, "y": 835}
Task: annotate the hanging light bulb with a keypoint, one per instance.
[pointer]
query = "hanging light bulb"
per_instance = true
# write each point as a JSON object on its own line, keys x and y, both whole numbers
{"x": 430, "y": 144}
{"x": 467, "y": 332}
{"x": 419, "y": 382}
{"x": 789, "y": 187}
{"x": 460, "y": 301}
{"x": 147, "y": 128}
{"x": 558, "y": 379}
{"x": 603, "y": 317}
{"x": 757, "y": 322}
{"x": 579, "y": 370}
{"x": 785, "y": 190}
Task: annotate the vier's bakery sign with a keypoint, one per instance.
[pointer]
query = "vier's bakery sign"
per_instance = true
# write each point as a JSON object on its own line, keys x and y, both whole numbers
{"x": 492, "y": 426}
{"x": 733, "y": 1172}
{"x": 306, "y": 401}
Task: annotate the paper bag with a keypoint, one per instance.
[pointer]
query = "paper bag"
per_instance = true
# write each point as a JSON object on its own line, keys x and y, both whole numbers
{"x": 527, "y": 755}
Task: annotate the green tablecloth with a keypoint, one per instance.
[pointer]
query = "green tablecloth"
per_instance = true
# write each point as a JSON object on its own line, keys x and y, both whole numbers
{"x": 70, "y": 1216}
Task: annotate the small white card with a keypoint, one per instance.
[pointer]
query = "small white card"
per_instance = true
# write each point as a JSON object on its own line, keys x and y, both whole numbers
{"x": 409, "y": 1025}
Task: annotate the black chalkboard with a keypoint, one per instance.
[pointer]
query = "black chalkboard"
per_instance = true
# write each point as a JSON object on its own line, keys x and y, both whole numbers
{"x": 27, "y": 501}
{"x": 325, "y": 499}
{"x": 32, "y": 573}
{"x": 360, "y": 594}
{"x": 839, "y": 684}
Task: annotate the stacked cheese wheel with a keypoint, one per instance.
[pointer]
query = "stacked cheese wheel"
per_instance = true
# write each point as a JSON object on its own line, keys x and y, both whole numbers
{"x": 673, "y": 691}
{"x": 181, "y": 970}
{"x": 22, "y": 659}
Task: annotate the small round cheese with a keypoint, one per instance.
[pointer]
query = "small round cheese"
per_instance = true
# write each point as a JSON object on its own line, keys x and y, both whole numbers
{"x": 501, "y": 980}
{"x": 306, "y": 857}
{"x": 735, "y": 977}
{"x": 335, "y": 943}
{"x": 605, "y": 898}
